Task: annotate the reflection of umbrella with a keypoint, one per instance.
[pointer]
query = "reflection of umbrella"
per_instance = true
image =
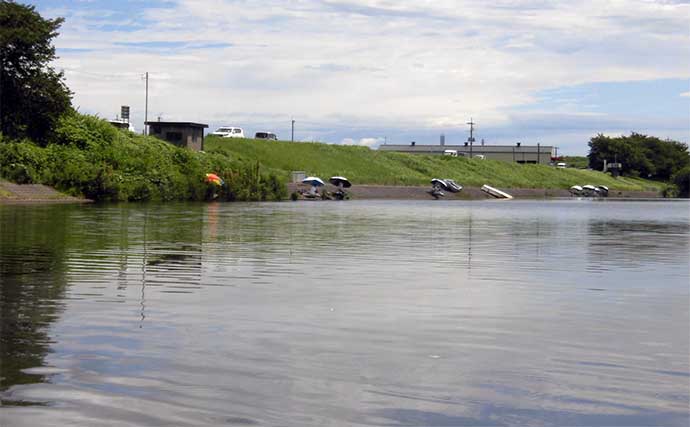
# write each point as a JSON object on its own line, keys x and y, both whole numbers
{"x": 340, "y": 181}
{"x": 314, "y": 181}
{"x": 212, "y": 178}
{"x": 439, "y": 183}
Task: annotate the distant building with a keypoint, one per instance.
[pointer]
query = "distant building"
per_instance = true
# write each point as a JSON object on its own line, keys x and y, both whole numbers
{"x": 122, "y": 124}
{"x": 517, "y": 153}
{"x": 182, "y": 134}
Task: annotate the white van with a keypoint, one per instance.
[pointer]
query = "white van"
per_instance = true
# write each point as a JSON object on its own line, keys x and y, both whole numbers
{"x": 229, "y": 132}
{"x": 452, "y": 153}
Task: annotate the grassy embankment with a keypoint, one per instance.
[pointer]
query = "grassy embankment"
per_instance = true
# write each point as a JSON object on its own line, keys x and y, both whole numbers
{"x": 88, "y": 157}
{"x": 365, "y": 166}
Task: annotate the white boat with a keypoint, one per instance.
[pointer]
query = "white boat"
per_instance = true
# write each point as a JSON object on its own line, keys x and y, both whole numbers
{"x": 496, "y": 192}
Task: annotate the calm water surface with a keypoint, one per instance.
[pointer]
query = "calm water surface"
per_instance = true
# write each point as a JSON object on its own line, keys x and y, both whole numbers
{"x": 555, "y": 313}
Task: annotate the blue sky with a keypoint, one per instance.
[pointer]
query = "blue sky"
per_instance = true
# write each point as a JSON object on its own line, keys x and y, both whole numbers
{"x": 368, "y": 71}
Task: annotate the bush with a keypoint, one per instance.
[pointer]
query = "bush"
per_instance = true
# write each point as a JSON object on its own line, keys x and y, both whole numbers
{"x": 22, "y": 162}
{"x": 669, "y": 191}
{"x": 681, "y": 179}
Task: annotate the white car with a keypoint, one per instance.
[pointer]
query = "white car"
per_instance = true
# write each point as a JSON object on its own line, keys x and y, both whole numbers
{"x": 229, "y": 132}
{"x": 266, "y": 135}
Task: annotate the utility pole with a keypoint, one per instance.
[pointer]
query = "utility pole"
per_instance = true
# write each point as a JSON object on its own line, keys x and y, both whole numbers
{"x": 471, "y": 138}
{"x": 292, "y": 138}
{"x": 146, "y": 108}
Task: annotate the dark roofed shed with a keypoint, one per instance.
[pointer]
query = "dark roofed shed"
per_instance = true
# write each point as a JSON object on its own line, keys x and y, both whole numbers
{"x": 182, "y": 134}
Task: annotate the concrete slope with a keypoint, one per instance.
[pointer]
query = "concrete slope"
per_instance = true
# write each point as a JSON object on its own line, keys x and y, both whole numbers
{"x": 13, "y": 193}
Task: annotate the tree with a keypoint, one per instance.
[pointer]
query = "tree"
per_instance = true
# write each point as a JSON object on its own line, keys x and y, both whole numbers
{"x": 32, "y": 93}
{"x": 641, "y": 155}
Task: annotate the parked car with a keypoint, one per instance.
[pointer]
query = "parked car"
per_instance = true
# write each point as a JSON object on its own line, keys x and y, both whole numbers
{"x": 561, "y": 165}
{"x": 229, "y": 132}
{"x": 452, "y": 153}
{"x": 266, "y": 135}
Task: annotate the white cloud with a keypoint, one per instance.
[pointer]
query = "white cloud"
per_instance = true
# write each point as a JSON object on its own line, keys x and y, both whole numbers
{"x": 685, "y": 94}
{"x": 374, "y": 64}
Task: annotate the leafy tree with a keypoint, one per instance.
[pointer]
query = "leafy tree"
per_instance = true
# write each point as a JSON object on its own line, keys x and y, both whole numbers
{"x": 641, "y": 155}
{"x": 32, "y": 93}
{"x": 682, "y": 180}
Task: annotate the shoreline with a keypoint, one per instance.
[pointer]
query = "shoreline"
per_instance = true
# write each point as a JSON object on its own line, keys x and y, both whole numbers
{"x": 398, "y": 192}
{"x": 11, "y": 193}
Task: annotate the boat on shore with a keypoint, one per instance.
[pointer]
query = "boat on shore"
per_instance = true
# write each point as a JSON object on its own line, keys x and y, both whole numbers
{"x": 495, "y": 192}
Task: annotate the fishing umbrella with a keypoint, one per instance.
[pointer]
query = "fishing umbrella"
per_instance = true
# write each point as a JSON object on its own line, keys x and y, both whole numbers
{"x": 439, "y": 183}
{"x": 590, "y": 187}
{"x": 212, "y": 178}
{"x": 314, "y": 181}
{"x": 340, "y": 181}
{"x": 452, "y": 186}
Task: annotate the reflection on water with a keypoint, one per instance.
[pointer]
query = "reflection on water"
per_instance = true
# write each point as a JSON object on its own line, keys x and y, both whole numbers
{"x": 359, "y": 313}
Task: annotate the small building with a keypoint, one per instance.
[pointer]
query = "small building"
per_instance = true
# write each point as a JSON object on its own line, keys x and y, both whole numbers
{"x": 517, "y": 153}
{"x": 182, "y": 134}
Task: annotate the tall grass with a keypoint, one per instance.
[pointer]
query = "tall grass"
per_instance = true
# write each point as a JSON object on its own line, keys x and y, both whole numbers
{"x": 365, "y": 166}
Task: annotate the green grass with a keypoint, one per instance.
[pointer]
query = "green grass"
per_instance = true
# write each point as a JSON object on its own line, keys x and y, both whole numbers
{"x": 365, "y": 166}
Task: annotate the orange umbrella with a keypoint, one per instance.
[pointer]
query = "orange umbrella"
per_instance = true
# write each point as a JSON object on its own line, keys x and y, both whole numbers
{"x": 212, "y": 178}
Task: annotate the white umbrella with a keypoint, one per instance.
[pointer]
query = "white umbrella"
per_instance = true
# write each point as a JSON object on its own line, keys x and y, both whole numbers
{"x": 576, "y": 190}
{"x": 340, "y": 180}
{"x": 590, "y": 187}
{"x": 439, "y": 183}
{"x": 314, "y": 181}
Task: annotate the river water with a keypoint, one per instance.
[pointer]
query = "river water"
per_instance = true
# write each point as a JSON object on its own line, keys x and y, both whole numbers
{"x": 482, "y": 313}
